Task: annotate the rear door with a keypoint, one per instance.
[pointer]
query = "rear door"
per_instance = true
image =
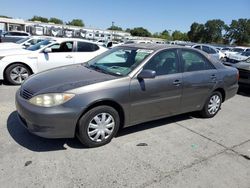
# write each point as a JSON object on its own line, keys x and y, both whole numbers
{"x": 86, "y": 51}
{"x": 199, "y": 79}
{"x": 160, "y": 96}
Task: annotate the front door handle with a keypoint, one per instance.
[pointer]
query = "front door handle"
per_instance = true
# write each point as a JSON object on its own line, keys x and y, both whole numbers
{"x": 177, "y": 82}
{"x": 69, "y": 56}
{"x": 213, "y": 77}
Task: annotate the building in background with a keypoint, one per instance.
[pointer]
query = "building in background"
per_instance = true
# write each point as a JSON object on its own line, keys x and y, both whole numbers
{"x": 58, "y": 30}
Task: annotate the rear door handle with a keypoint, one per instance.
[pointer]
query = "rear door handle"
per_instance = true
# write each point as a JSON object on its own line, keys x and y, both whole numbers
{"x": 68, "y": 56}
{"x": 177, "y": 82}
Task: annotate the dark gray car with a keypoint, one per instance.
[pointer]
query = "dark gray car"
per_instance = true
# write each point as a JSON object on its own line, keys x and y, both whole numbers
{"x": 126, "y": 85}
{"x": 244, "y": 71}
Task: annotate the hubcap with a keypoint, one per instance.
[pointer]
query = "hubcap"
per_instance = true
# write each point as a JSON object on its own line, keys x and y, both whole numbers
{"x": 214, "y": 104}
{"x": 101, "y": 127}
{"x": 19, "y": 74}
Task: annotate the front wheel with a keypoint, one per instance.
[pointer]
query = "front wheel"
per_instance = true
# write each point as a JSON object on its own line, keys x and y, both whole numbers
{"x": 16, "y": 73}
{"x": 98, "y": 126}
{"x": 212, "y": 105}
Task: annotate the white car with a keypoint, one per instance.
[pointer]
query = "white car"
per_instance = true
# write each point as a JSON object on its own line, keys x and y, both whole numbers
{"x": 210, "y": 50}
{"x": 234, "y": 58}
{"x": 23, "y": 43}
{"x": 17, "y": 65}
{"x": 235, "y": 50}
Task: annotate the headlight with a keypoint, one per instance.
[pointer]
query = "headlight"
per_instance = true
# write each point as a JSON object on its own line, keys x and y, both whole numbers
{"x": 1, "y": 57}
{"x": 51, "y": 99}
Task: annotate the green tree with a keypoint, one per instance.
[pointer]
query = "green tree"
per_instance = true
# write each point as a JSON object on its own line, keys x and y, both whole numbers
{"x": 213, "y": 31}
{"x": 39, "y": 18}
{"x": 239, "y": 32}
{"x": 55, "y": 20}
{"x": 165, "y": 35}
{"x": 76, "y": 22}
{"x": 2, "y": 16}
{"x": 196, "y": 33}
{"x": 128, "y": 30}
{"x": 140, "y": 31}
{"x": 115, "y": 28}
{"x": 177, "y": 35}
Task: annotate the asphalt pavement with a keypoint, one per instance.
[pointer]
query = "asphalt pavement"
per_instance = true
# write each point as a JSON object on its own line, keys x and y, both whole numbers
{"x": 181, "y": 151}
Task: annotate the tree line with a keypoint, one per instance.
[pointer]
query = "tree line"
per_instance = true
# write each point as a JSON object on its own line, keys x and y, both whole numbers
{"x": 74, "y": 22}
{"x": 213, "y": 31}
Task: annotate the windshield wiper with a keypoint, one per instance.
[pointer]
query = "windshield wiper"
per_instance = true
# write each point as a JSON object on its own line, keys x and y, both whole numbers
{"x": 99, "y": 69}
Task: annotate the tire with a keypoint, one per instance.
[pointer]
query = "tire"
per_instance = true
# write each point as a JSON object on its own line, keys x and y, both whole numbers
{"x": 212, "y": 105}
{"x": 16, "y": 73}
{"x": 92, "y": 124}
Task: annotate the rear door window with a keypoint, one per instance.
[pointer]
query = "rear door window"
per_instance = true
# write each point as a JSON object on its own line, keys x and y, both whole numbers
{"x": 86, "y": 47}
{"x": 194, "y": 61}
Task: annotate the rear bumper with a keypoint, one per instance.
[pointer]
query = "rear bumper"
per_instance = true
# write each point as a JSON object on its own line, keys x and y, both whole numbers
{"x": 54, "y": 122}
{"x": 231, "y": 91}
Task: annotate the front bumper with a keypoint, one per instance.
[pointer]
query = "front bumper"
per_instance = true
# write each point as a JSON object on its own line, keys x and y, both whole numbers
{"x": 53, "y": 122}
{"x": 244, "y": 77}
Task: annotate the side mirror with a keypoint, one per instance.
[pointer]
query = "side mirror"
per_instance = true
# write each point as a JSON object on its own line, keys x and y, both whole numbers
{"x": 47, "y": 50}
{"x": 146, "y": 74}
{"x": 27, "y": 44}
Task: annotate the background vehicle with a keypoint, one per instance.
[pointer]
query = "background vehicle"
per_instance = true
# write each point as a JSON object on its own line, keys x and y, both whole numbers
{"x": 234, "y": 58}
{"x": 234, "y": 50}
{"x": 13, "y": 36}
{"x": 124, "y": 86}
{"x": 210, "y": 50}
{"x": 17, "y": 65}
{"x": 23, "y": 43}
{"x": 244, "y": 71}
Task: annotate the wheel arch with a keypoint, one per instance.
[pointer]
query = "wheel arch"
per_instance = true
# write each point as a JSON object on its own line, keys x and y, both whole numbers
{"x": 4, "y": 72}
{"x": 105, "y": 102}
{"x": 223, "y": 93}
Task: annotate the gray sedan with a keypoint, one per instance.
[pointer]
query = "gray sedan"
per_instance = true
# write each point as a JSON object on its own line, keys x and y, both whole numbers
{"x": 126, "y": 85}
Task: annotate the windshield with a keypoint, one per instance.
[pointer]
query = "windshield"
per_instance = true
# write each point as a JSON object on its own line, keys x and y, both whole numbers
{"x": 39, "y": 45}
{"x": 22, "y": 40}
{"x": 119, "y": 61}
{"x": 246, "y": 53}
{"x": 238, "y": 50}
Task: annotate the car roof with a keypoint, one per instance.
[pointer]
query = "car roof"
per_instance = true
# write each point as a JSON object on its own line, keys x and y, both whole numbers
{"x": 156, "y": 47}
{"x": 150, "y": 46}
{"x": 72, "y": 39}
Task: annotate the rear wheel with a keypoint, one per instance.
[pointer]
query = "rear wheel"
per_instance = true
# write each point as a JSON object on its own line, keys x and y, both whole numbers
{"x": 98, "y": 126}
{"x": 212, "y": 105}
{"x": 16, "y": 74}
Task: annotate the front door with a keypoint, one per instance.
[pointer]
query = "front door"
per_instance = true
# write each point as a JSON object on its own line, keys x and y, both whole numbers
{"x": 160, "y": 96}
{"x": 62, "y": 54}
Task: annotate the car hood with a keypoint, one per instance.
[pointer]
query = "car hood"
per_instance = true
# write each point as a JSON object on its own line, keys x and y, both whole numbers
{"x": 243, "y": 65}
{"x": 6, "y": 45}
{"x": 8, "y": 52}
{"x": 238, "y": 57}
{"x": 63, "y": 79}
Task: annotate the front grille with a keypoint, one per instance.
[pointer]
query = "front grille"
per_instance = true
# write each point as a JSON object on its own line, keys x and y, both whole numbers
{"x": 26, "y": 94}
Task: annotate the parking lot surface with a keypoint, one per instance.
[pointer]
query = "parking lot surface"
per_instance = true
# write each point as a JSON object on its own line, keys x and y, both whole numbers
{"x": 181, "y": 151}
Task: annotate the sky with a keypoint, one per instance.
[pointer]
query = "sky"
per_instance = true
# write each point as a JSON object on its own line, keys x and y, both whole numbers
{"x": 154, "y": 15}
